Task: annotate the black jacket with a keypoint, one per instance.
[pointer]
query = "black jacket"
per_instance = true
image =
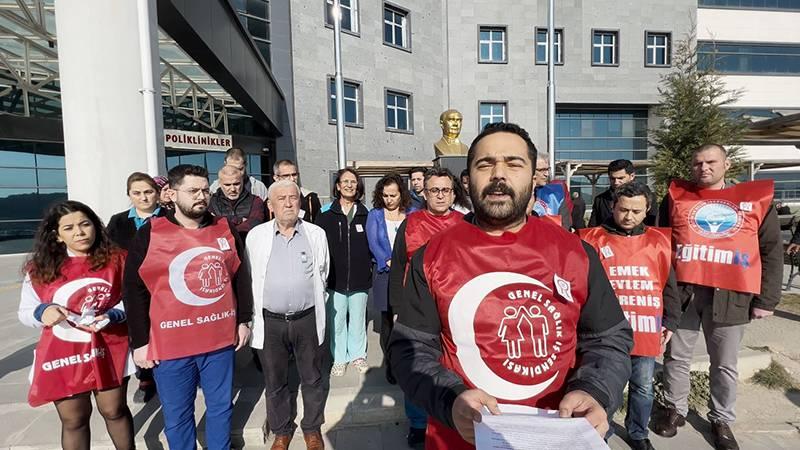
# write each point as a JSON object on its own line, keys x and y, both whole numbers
{"x": 601, "y": 210}
{"x": 137, "y": 297}
{"x": 731, "y": 307}
{"x": 122, "y": 229}
{"x": 578, "y": 213}
{"x": 351, "y": 260}
{"x": 669, "y": 296}
{"x": 603, "y": 364}
{"x": 244, "y": 213}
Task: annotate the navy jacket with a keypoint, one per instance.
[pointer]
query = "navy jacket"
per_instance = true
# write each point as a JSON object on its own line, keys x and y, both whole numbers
{"x": 351, "y": 260}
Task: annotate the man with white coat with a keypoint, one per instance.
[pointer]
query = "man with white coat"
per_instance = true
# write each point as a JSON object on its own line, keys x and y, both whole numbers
{"x": 289, "y": 261}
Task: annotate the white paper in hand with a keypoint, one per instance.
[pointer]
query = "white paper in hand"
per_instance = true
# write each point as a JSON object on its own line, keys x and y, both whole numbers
{"x": 526, "y": 428}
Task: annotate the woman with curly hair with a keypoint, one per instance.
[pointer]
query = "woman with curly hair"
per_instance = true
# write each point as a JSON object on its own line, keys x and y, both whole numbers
{"x": 390, "y": 202}
{"x": 72, "y": 290}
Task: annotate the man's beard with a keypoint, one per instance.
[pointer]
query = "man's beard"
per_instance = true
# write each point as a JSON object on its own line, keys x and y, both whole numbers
{"x": 500, "y": 213}
{"x": 191, "y": 212}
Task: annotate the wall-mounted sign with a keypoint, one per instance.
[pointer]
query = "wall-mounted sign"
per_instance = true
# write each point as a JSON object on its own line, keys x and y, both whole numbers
{"x": 197, "y": 141}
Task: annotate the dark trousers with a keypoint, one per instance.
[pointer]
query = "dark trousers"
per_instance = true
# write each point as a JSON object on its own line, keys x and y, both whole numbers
{"x": 281, "y": 339}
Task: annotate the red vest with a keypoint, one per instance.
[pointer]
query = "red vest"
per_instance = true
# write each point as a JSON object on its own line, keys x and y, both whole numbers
{"x": 715, "y": 233}
{"x": 68, "y": 360}
{"x": 189, "y": 273}
{"x": 510, "y": 333}
{"x": 421, "y": 225}
{"x": 638, "y": 268}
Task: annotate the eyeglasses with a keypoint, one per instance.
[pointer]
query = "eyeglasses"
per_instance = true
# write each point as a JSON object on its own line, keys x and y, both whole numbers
{"x": 437, "y": 191}
{"x": 543, "y": 169}
{"x": 287, "y": 175}
{"x": 194, "y": 191}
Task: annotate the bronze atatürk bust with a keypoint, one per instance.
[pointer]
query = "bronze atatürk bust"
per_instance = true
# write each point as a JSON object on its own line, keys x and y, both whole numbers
{"x": 449, "y": 144}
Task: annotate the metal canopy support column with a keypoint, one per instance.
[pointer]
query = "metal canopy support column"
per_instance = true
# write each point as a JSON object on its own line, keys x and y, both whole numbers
{"x": 570, "y": 171}
{"x": 593, "y": 177}
{"x": 754, "y": 168}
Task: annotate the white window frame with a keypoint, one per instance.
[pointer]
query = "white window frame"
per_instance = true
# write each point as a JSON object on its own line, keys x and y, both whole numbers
{"x": 352, "y": 10}
{"x": 491, "y": 116}
{"x": 396, "y": 110}
{"x": 404, "y": 26}
{"x": 504, "y": 41}
{"x": 357, "y": 100}
{"x": 651, "y": 50}
{"x": 614, "y": 45}
{"x": 559, "y": 34}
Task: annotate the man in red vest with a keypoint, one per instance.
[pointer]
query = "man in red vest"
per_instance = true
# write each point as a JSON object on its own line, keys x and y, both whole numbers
{"x": 507, "y": 308}
{"x": 638, "y": 262}
{"x": 413, "y": 233}
{"x": 728, "y": 262}
{"x": 189, "y": 303}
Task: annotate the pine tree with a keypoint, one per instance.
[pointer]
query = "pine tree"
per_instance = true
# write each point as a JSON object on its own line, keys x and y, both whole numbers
{"x": 692, "y": 108}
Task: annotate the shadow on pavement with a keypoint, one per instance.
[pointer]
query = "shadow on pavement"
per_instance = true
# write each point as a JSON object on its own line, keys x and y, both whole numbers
{"x": 20, "y": 359}
{"x": 366, "y": 408}
{"x": 787, "y": 315}
{"x": 794, "y": 396}
{"x": 151, "y": 436}
{"x": 702, "y": 426}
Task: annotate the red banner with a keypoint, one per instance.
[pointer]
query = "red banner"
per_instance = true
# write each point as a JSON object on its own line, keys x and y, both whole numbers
{"x": 638, "y": 268}
{"x": 189, "y": 275}
{"x": 68, "y": 360}
{"x": 715, "y": 234}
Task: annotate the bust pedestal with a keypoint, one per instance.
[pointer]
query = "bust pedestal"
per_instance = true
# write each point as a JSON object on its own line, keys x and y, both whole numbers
{"x": 454, "y": 164}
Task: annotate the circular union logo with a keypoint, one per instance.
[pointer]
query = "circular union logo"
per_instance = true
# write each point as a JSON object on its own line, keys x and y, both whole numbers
{"x": 508, "y": 332}
{"x": 198, "y": 276}
{"x": 715, "y": 219}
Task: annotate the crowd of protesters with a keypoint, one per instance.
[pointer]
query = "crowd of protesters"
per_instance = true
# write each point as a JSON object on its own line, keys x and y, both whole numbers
{"x": 489, "y": 290}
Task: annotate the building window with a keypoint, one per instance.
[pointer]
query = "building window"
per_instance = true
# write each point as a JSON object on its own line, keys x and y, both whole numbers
{"x": 398, "y": 111}
{"x": 352, "y": 102}
{"x": 749, "y": 58}
{"x": 601, "y": 134}
{"x": 491, "y": 112}
{"x": 787, "y": 184}
{"x": 605, "y": 46}
{"x": 349, "y": 14}
{"x": 658, "y": 49}
{"x": 786, "y": 5}
{"x": 395, "y": 27}
{"x": 492, "y": 45}
{"x": 541, "y": 46}
{"x": 32, "y": 177}
{"x": 255, "y": 17}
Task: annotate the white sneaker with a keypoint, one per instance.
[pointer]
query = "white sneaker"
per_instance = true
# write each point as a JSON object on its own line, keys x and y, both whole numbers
{"x": 361, "y": 365}
{"x": 338, "y": 370}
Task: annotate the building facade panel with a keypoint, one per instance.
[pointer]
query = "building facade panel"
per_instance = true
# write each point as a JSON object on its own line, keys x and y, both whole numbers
{"x": 378, "y": 67}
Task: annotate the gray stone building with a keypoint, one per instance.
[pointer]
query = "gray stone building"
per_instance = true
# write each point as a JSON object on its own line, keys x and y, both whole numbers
{"x": 486, "y": 58}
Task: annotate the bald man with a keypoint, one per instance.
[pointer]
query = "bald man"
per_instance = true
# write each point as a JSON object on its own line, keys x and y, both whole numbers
{"x": 243, "y": 209}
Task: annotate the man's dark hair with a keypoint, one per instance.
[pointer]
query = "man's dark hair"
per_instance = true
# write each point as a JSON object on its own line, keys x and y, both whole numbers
{"x": 620, "y": 164}
{"x": 502, "y": 127}
{"x": 359, "y": 185}
{"x": 458, "y": 189}
{"x": 464, "y": 173}
{"x": 633, "y": 189}
{"x": 421, "y": 170}
{"x": 709, "y": 146}
{"x": 388, "y": 180}
{"x": 438, "y": 172}
{"x": 179, "y": 172}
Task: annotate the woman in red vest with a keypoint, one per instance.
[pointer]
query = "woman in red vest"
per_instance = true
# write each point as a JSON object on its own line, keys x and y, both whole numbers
{"x": 72, "y": 291}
